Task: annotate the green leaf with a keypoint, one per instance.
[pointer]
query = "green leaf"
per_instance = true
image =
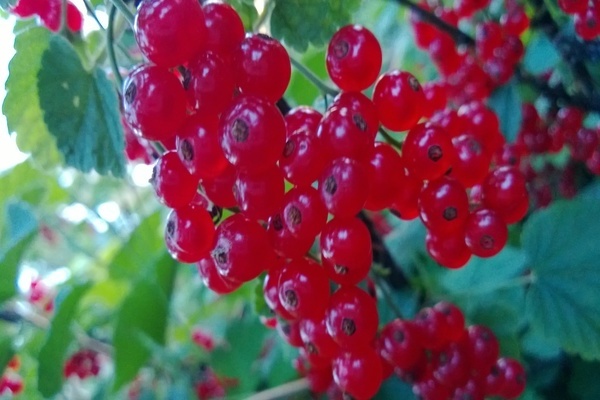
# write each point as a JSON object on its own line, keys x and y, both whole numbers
{"x": 244, "y": 342}
{"x": 260, "y": 305}
{"x": 300, "y": 23}
{"x": 22, "y": 229}
{"x": 81, "y": 110}
{"x": 141, "y": 250}
{"x": 54, "y": 351}
{"x": 561, "y": 243}
{"x": 143, "y": 315}
{"x": 21, "y": 105}
{"x": 506, "y": 102}
{"x": 541, "y": 55}
{"x": 585, "y": 380}
{"x": 6, "y": 351}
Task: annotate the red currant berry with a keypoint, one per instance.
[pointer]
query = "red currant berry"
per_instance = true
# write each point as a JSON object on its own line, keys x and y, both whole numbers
{"x": 212, "y": 279}
{"x": 302, "y": 119}
{"x": 252, "y": 133}
{"x": 504, "y": 189}
{"x": 154, "y": 33}
{"x": 210, "y": 85}
{"x": 175, "y": 187}
{"x": 428, "y": 152}
{"x": 344, "y": 187}
{"x": 316, "y": 339}
{"x": 400, "y": 344}
{"x": 259, "y": 195}
{"x": 353, "y": 58}
{"x": 198, "y": 146}
{"x": 454, "y": 320}
{"x": 303, "y": 158}
{"x": 352, "y": 317}
{"x": 482, "y": 348}
{"x": 220, "y": 188}
{"x": 224, "y": 28}
{"x": 486, "y": 233}
{"x": 304, "y": 289}
{"x": 472, "y": 160}
{"x": 241, "y": 250}
{"x": 284, "y": 242}
{"x": 444, "y": 205}
{"x": 189, "y": 233}
{"x": 262, "y": 67}
{"x": 449, "y": 251}
{"x": 271, "y": 294}
{"x": 399, "y": 99}
{"x": 304, "y": 213}
{"x": 386, "y": 184}
{"x": 514, "y": 378}
{"x": 154, "y": 102}
{"x": 358, "y": 373}
{"x": 346, "y": 250}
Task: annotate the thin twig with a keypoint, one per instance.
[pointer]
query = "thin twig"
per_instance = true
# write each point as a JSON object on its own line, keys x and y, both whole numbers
{"x": 110, "y": 44}
{"x": 92, "y": 12}
{"x": 285, "y": 391}
{"x": 457, "y": 35}
{"x": 122, "y": 7}
{"x": 315, "y": 80}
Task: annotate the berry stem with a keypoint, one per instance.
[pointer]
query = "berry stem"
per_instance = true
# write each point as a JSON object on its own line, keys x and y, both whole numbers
{"x": 388, "y": 138}
{"x": 110, "y": 41}
{"x": 122, "y": 7}
{"x": 63, "y": 17}
{"x": 262, "y": 18}
{"x": 92, "y": 12}
{"x": 457, "y": 35}
{"x": 285, "y": 391}
{"x": 308, "y": 74}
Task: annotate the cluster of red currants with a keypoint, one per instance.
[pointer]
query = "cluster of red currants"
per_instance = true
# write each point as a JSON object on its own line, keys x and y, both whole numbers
{"x": 586, "y": 16}
{"x": 41, "y": 296}
{"x": 234, "y": 149}
{"x": 472, "y": 73}
{"x": 49, "y": 13}
{"x": 440, "y": 357}
{"x": 82, "y": 364}
{"x": 11, "y": 383}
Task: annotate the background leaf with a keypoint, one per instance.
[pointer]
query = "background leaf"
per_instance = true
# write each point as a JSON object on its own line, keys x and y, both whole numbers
{"x": 53, "y": 354}
{"x": 81, "y": 111}
{"x": 541, "y": 55}
{"x": 300, "y": 23}
{"x": 562, "y": 302}
{"x": 21, "y": 105}
{"x": 506, "y": 103}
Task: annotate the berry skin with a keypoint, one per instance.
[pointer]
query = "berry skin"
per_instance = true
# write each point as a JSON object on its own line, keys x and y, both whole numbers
{"x": 431, "y": 327}
{"x": 189, "y": 233}
{"x": 428, "y": 152}
{"x": 504, "y": 190}
{"x": 252, "y": 133}
{"x": 344, "y": 187}
{"x": 587, "y": 24}
{"x": 386, "y": 184}
{"x": 259, "y": 195}
{"x": 486, "y": 233}
{"x": 444, "y": 205}
{"x": 27, "y": 8}
{"x": 271, "y": 294}
{"x": 175, "y": 187}
{"x": 198, "y": 146}
{"x": 211, "y": 83}
{"x": 159, "y": 41}
{"x": 399, "y": 99}
{"x": 220, "y": 188}
{"x": 304, "y": 289}
{"x": 344, "y": 132}
{"x": 212, "y": 279}
{"x": 482, "y": 348}
{"x": 154, "y": 102}
{"x": 454, "y": 320}
{"x": 241, "y": 249}
{"x": 573, "y": 6}
{"x": 302, "y": 119}
{"x": 303, "y": 158}
{"x": 451, "y": 366}
{"x": 284, "y": 242}
{"x": 514, "y": 377}
{"x": 472, "y": 161}
{"x": 449, "y": 251}
{"x": 346, "y": 250}
{"x": 353, "y": 58}
{"x": 262, "y": 67}
{"x": 400, "y": 344}
{"x": 352, "y": 318}
{"x": 224, "y": 28}
{"x": 316, "y": 339}
{"x": 358, "y": 373}
{"x": 304, "y": 213}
